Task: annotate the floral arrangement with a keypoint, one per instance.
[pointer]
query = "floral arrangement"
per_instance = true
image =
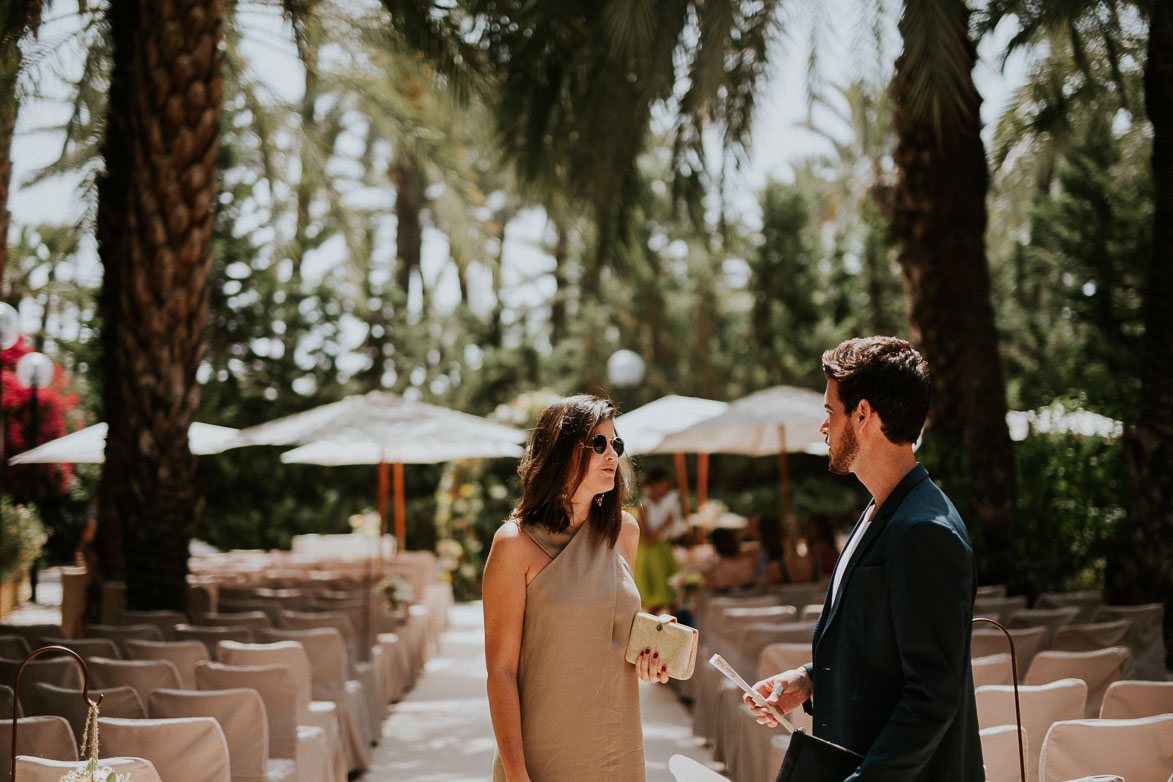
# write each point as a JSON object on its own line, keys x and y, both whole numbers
{"x": 23, "y": 536}
{"x": 686, "y": 581}
{"x": 397, "y": 591}
{"x": 92, "y": 772}
{"x": 707, "y": 514}
{"x": 366, "y": 523}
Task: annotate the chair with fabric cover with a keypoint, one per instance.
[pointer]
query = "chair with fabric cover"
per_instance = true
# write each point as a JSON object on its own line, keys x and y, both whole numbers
{"x": 268, "y": 607}
{"x": 330, "y": 682}
{"x": 810, "y": 612}
{"x": 305, "y": 749}
{"x": 1140, "y": 749}
{"x": 998, "y": 608}
{"x": 210, "y": 635}
{"x": 42, "y": 737}
{"x": 14, "y": 647}
{"x": 1041, "y": 705}
{"x": 1099, "y": 669}
{"x": 1000, "y": 752}
{"x": 291, "y": 656}
{"x": 1147, "y": 639}
{"x": 1050, "y": 618}
{"x": 62, "y": 671}
{"x": 117, "y": 702}
{"x": 120, "y": 633}
{"x": 165, "y": 621}
{"x": 191, "y": 749}
{"x": 144, "y": 676}
{"x": 1028, "y": 641}
{"x": 87, "y": 647}
{"x": 993, "y": 669}
{"x": 1087, "y": 602}
{"x": 184, "y": 654}
{"x": 33, "y": 633}
{"x": 7, "y": 700}
{"x": 1089, "y": 637}
{"x": 242, "y": 715}
{"x": 253, "y": 620}
{"x": 44, "y": 770}
{"x": 1128, "y": 700}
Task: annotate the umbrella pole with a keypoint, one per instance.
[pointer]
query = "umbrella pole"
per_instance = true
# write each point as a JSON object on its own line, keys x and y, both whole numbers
{"x": 384, "y": 474}
{"x": 400, "y": 520}
{"x": 682, "y": 484}
{"x": 784, "y": 476}
{"x": 702, "y": 478}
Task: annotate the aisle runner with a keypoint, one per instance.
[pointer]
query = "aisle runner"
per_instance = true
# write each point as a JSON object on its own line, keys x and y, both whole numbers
{"x": 442, "y": 732}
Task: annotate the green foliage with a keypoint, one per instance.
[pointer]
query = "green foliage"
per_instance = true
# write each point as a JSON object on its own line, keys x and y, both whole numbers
{"x": 1071, "y": 491}
{"x": 23, "y": 537}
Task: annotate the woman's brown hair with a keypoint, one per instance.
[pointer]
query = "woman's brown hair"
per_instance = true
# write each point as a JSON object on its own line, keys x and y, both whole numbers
{"x": 555, "y": 462}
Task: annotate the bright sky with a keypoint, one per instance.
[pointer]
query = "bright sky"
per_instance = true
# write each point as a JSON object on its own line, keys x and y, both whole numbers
{"x": 778, "y": 140}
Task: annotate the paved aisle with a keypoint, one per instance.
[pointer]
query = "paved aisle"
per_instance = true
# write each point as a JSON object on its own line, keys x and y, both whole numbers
{"x": 441, "y": 731}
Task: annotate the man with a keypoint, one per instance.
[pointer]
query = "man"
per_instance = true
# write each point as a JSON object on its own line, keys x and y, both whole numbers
{"x": 890, "y": 676}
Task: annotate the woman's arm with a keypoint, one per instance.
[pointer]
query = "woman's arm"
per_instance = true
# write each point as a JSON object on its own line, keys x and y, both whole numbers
{"x": 628, "y": 539}
{"x": 503, "y": 591}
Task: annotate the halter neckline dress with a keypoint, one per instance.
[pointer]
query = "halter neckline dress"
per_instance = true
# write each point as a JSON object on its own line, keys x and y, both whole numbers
{"x": 579, "y": 698}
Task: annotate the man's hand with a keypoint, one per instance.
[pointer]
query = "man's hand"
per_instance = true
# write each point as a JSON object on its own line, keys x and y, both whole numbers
{"x": 796, "y": 688}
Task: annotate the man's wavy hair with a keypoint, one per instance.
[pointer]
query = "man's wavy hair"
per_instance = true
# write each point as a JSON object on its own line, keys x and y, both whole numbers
{"x": 556, "y": 461}
{"x": 888, "y": 372}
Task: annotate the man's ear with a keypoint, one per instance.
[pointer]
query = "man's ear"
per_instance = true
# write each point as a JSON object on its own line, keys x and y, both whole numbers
{"x": 863, "y": 411}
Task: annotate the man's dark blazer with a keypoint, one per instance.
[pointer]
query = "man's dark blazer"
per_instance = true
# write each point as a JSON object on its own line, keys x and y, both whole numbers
{"x": 891, "y": 665}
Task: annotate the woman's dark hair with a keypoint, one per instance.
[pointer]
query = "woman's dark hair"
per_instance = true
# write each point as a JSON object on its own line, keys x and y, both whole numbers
{"x": 891, "y": 375}
{"x": 726, "y": 541}
{"x": 555, "y": 462}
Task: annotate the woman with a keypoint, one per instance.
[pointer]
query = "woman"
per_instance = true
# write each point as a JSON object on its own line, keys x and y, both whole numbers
{"x": 659, "y": 521}
{"x": 559, "y": 601}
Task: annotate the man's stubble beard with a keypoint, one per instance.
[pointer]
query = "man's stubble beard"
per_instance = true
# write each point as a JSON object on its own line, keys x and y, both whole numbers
{"x": 840, "y": 462}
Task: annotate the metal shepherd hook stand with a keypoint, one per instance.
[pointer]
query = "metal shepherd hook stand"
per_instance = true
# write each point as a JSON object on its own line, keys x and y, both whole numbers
{"x": 85, "y": 691}
{"x": 1014, "y": 674}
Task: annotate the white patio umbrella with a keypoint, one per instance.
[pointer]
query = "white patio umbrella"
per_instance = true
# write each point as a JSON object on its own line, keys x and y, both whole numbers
{"x": 384, "y": 429}
{"x": 644, "y": 429}
{"x": 1055, "y": 419}
{"x": 777, "y": 420}
{"x": 88, "y": 446}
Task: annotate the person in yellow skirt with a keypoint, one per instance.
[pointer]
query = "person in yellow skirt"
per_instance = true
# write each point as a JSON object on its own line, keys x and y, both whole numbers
{"x": 660, "y": 521}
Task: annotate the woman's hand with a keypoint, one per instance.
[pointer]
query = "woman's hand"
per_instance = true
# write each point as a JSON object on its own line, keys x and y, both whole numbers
{"x": 649, "y": 668}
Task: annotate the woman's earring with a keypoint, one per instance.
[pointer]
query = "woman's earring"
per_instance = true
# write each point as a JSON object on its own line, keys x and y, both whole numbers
{"x": 599, "y": 500}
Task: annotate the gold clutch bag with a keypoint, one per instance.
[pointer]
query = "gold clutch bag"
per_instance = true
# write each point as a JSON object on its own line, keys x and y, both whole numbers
{"x": 675, "y": 643}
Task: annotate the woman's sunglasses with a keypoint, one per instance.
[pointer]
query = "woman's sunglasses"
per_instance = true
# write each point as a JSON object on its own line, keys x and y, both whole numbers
{"x": 598, "y": 444}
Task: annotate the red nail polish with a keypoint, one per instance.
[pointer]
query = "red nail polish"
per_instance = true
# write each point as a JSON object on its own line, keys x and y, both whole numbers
{"x": 664, "y": 669}
{"x": 657, "y": 654}
{"x": 647, "y": 650}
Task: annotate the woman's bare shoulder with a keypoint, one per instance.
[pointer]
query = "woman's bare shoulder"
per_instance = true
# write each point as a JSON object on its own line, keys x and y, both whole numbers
{"x": 513, "y": 544}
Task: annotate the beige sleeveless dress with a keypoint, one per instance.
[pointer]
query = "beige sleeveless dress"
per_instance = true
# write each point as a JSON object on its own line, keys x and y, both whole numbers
{"x": 579, "y": 698}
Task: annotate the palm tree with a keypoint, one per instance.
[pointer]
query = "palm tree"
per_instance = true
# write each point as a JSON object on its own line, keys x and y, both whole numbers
{"x": 154, "y": 223}
{"x": 19, "y": 19}
{"x": 938, "y": 212}
{"x": 1137, "y": 567}
{"x": 575, "y": 84}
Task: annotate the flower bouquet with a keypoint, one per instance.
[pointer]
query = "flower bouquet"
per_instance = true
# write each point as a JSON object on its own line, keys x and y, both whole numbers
{"x": 92, "y": 772}
{"x": 397, "y": 591}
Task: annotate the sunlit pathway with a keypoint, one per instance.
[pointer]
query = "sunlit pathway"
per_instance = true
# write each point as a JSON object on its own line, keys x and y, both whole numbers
{"x": 441, "y": 731}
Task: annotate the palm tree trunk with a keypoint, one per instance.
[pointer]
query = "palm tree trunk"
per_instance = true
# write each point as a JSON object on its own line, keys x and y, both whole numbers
{"x": 408, "y": 231}
{"x": 1138, "y": 559}
{"x": 10, "y": 59}
{"x": 939, "y": 214}
{"x": 154, "y": 227}
{"x": 558, "y": 309}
